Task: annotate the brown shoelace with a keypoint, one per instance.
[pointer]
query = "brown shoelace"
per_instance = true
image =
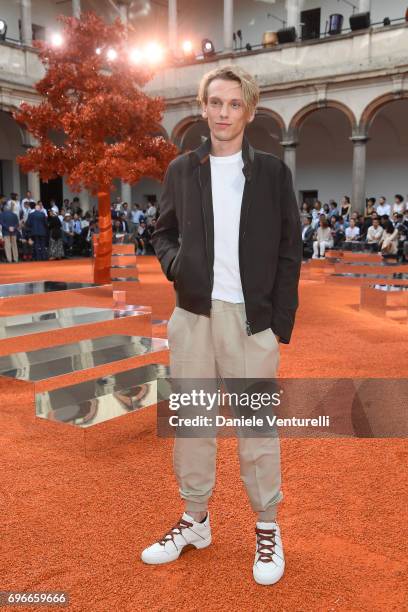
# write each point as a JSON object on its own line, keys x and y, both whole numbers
{"x": 176, "y": 530}
{"x": 265, "y": 551}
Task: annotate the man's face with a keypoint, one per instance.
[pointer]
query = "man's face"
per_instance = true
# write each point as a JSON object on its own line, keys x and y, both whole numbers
{"x": 376, "y": 222}
{"x": 382, "y": 200}
{"x": 225, "y": 110}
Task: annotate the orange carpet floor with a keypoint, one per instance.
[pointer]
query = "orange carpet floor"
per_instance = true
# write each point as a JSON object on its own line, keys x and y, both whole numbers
{"x": 78, "y": 524}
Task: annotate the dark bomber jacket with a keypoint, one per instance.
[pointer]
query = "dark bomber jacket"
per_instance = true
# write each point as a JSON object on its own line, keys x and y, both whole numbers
{"x": 270, "y": 242}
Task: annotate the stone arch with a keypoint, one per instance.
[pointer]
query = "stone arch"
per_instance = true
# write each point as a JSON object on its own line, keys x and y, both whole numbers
{"x": 374, "y": 107}
{"x": 262, "y": 111}
{"x": 301, "y": 115}
{"x": 181, "y": 128}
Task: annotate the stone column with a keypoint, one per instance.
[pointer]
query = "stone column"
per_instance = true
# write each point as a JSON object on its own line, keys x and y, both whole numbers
{"x": 293, "y": 14}
{"x": 15, "y": 178}
{"x": 228, "y": 24}
{"x": 172, "y": 26}
{"x": 359, "y": 173}
{"x": 76, "y": 8}
{"x": 126, "y": 193}
{"x": 364, "y": 6}
{"x": 289, "y": 156}
{"x": 33, "y": 184}
{"x": 26, "y": 23}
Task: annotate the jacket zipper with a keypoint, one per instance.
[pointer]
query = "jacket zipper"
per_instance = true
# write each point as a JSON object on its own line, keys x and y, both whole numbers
{"x": 247, "y": 323}
{"x": 211, "y": 274}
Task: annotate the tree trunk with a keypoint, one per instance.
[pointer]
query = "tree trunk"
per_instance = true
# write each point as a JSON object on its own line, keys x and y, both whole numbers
{"x": 103, "y": 251}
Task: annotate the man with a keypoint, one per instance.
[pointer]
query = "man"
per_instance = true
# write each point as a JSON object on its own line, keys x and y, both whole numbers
{"x": 236, "y": 299}
{"x": 37, "y": 225}
{"x": 307, "y": 237}
{"x": 28, "y": 202}
{"x": 68, "y": 234}
{"x": 383, "y": 208}
{"x": 9, "y": 224}
{"x": 399, "y": 204}
{"x": 374, "y": 234}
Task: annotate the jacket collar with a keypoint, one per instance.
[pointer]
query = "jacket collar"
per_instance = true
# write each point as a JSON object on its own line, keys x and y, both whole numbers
{"x": 201, "y": 155}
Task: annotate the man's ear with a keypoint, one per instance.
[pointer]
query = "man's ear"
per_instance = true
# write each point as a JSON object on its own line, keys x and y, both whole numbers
{"x": 204, "y": 111}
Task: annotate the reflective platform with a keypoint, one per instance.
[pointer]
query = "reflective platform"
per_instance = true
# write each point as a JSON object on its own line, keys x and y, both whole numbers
{"x": 101, "y": 413}
{"x": 386, "y": 301}
{"x": 63, "y": 359}
{"x": 350, "y": 278}
{"x": 371, "y": 267}
{"x": 101, "y": 399}
{"x": 38, "y": 322}
{"x": 42, "y": 286}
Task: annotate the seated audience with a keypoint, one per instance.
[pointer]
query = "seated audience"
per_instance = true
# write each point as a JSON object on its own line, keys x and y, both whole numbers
{"x": 323, "y": 240}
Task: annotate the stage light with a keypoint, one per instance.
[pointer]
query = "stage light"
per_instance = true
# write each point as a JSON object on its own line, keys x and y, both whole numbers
{"x": 286, "y": 35}
{"x": 187, "y": 47}
{"x": 98, "y": 51}
{"x": 154, "y": 53}
{"x": 3, "y": 29}
{"x": 360, "y": 21}
{"x": 57, "y": 40}
{"x": 111, "y": 54}
{"x": 207, "y": 47}
{"x": 136, "y": 56}
{"x": 387, "y": 21}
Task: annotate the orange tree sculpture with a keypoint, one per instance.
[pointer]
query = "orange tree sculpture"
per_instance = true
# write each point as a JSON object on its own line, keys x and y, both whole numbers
{"x": 91, "y": 94}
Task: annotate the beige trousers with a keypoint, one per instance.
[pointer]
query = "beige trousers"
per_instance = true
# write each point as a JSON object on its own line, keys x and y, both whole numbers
{"x": 10, "y": 247}
{"x": 218, "y": 346}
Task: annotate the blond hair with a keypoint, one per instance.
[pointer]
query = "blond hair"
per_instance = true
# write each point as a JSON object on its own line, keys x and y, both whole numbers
{"x": 249, "y": 86}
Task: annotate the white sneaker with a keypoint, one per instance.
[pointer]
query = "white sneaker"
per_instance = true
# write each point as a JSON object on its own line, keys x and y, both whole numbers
{"x": 185, "y": 535}
{"x": 269, "y": 564}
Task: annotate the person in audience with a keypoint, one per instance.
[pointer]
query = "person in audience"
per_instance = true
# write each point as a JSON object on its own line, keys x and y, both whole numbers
{"x": 370, "y": 207}
{"x": 374, "y": 234}
{"x": 14, "y": 204}
{"x": 304, "y": 212}
{"x": 326, "y": 210}
{"x": 383, "y": 208}
{"x": 26, "y": 209}
{"x": 67, "y": 234}
{"x": 352, "y": 233}
{"x": 9, "y": 225}
{"x": 56, "y": 245}
{"x": 323, "y": 240}
{"x": 28, "y": 202}
{"x": 334, "y": 209}
{"x": 384, "y": 220}
{"x": 40, "y": 207}
{"x": 151, "y": 212}
{"x": 141, "y": 238}
{"x": 307, "y": 237}
{"x": 345, "y": 209}
{"x": 399, "y": 204}
{"x": 77, "y": 231}
{"x": 337, "y": 231}
{"x": 389, "y": 240}
{"x": 38, "y": 226}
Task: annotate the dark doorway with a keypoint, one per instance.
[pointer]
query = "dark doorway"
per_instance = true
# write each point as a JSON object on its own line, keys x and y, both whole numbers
{"x": 309, "y": 197}
{"x": 310, "y": 21}
{"x": 51, "y": 191}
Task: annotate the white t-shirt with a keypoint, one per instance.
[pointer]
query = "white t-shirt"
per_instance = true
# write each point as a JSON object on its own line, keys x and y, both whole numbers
{"x": 227, "y": 183}
{"x": 352, "y": 232}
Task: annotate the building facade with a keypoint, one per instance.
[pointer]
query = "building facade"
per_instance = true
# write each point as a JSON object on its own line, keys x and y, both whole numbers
{"x": 332, "y": 105}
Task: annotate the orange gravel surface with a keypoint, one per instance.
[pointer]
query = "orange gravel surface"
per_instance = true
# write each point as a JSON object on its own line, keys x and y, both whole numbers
{"x": 78, "y": 523}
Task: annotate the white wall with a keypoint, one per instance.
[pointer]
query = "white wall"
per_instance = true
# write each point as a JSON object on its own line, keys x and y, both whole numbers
{"x": 43, "y": 13}
{"x": 324, "y": 155}
{"x": 387, "y": 152}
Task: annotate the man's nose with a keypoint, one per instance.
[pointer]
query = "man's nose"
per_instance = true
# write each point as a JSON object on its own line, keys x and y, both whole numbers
{"x": 224, "y": 110}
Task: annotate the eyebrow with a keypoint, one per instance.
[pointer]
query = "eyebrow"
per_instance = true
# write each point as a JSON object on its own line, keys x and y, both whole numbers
{"x": 232, "y": 99}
